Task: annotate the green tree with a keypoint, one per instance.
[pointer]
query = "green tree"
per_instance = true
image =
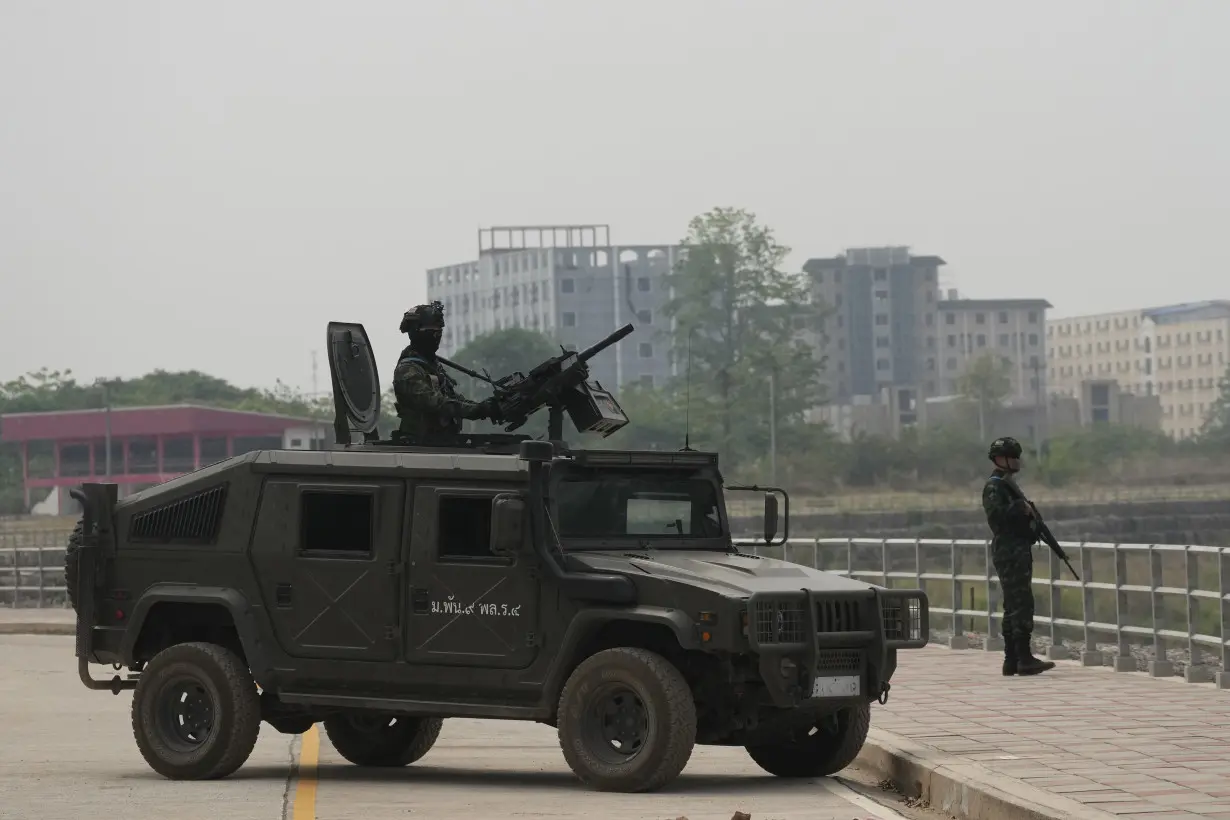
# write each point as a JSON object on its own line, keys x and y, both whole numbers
{"x": 985, "y": 383}
{"x": 740, "y": 313}
{"x": 501, "y": 353}
{"x": 1215, "y": 432}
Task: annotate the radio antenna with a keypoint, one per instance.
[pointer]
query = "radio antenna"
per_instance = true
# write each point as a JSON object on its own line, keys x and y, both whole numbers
{"x": 687, "y": 400}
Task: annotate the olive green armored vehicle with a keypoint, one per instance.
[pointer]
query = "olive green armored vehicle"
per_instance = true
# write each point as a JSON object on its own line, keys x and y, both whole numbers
{"x": 381, "y": 587}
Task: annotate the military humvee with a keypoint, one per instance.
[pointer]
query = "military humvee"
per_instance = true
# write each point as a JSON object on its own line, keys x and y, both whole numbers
{"x": 381, "y": 587}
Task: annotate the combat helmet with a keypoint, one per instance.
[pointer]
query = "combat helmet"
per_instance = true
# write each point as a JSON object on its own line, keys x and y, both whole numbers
{"x": 423, "y": 317}
{"x": 1005, "y": 446}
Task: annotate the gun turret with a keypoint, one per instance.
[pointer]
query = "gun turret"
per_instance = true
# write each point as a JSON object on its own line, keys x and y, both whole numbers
{"x": 560, "y": 384}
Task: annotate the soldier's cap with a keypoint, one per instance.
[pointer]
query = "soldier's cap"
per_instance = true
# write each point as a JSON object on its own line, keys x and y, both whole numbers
{"x": 423, "y": 317}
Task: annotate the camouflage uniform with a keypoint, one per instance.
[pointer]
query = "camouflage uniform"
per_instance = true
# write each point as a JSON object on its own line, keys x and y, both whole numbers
{"x": 427, "y": 400}
{"x": 1012, "y": 553}
{"x": 426, "y": 397}
{"x": 1014, "y": 533}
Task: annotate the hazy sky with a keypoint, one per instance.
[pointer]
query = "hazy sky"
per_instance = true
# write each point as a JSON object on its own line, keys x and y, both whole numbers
{"x": 205, "y": 185}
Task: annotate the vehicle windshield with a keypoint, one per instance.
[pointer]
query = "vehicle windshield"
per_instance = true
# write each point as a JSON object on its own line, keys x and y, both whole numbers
{"x": 636, "y": 505}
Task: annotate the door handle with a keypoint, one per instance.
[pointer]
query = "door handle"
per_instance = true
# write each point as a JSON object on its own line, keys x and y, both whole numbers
{"x": 420, "y": 601}
{"x": 282, "y": 595}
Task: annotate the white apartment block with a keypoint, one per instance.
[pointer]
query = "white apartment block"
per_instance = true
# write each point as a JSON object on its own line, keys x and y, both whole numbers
{"x": 1014, "y": 330}
{"x": 1179, "y": 353}
{"x": 573, "y": 286}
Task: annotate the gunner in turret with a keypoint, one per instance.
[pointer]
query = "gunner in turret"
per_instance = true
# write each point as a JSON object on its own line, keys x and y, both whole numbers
{"x": 427, "y": 400}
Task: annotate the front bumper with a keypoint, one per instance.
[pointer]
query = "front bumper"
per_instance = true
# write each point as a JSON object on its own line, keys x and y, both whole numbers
{"x": 833, "y": 647}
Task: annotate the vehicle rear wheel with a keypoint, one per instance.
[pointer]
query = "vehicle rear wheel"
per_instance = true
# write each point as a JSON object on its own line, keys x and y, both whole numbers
{"x": 382, "y": 740}
{"x": 72, "y": 560}
{"x": 195, "y": 712}
{"x": 627, "y": 721}
{"x": 825, "y": 749}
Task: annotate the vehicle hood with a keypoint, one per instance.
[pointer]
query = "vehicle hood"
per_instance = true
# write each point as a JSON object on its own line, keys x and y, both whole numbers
{"x": 723, "y": 572}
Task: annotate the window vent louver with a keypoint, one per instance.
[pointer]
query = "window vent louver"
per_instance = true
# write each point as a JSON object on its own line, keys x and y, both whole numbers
{"x": 194, "y": 519}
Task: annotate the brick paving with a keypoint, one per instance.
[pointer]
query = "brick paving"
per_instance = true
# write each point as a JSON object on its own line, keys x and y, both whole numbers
{"x": 1126, "y": 744}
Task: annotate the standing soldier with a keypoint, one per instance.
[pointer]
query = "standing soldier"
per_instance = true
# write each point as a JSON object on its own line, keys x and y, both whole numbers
{"x": 427, "y": 401}
{"x": 1014, "y": 533}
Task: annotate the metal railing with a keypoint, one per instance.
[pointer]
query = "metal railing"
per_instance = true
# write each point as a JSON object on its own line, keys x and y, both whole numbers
{"x": 1131, "y": 597}
{"x": 1140, "y": 597}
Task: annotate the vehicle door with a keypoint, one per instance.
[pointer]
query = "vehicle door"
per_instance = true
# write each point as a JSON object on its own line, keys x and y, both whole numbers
{"x": 327, "y": 555}
{"x": 467, "y": 606}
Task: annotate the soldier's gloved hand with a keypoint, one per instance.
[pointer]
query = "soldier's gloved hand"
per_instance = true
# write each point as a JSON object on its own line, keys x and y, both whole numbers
{"x": 493, "y": 410}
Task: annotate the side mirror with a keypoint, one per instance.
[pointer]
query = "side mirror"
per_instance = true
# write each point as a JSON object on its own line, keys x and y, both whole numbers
{"x": 507, "y": 524}
{"x": 770, "y": 517}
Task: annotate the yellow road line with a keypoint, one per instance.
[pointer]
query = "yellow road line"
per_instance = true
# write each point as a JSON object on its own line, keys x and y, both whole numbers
{"x": 305, "y": 790}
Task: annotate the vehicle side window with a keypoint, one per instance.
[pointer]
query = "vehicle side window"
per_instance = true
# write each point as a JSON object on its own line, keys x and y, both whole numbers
{"x": 464, "y": 528}
{"x": 336, "y": 523}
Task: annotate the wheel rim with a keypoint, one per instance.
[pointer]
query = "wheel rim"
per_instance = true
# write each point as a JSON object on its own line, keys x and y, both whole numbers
{"x": 617, "y": 724}
{"x": 185, "y": 714}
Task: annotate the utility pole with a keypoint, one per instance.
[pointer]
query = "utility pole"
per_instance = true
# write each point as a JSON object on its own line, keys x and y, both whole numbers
{"x": 314, "y": 390}
{"x": 1037, "y": 368}
{"x": 105, "y": 384}
{"x": 773, "y": 425}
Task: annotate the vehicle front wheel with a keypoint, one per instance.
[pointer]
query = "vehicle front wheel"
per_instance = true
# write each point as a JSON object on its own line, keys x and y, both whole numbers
{"x": 382, "y": 740}
{"x": 195, "y": 712}
{"x": 825, "y": 749}
{"x": 627, "y": 721}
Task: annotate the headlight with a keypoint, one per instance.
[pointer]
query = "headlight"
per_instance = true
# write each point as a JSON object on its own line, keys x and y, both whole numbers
{"x": 903, "y": 619}
{"x": 790, "y": 669}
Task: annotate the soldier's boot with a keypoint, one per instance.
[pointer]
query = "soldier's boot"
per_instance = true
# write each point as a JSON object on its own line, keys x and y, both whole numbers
{"x": 1026, "y": 663}
{"x": 1010, "y": 658}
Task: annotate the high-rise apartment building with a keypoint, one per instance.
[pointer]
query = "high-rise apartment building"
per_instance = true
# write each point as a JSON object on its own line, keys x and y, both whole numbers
{"x": 1012, "y": 330}
{"x": 883, "y": 332}
{"x": 570, "y": 283}
{"x": 1179, "y": 353}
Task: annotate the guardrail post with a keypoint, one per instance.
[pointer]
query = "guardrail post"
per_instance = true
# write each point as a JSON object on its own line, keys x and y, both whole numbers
{"x": 958, "y": 639}
{"x": 884, "y": 563}
{"x": 1124, "y": 660}
{"x": 849, "y": 557}
{"x": 993, "y": 643}
{"x": 1159, "y": 667}
{"x": 1222, "y": 678}
{"x": 1056, "y": 651}
{"x": 1193, "y": 672}
{"x": 1090, "y": 656}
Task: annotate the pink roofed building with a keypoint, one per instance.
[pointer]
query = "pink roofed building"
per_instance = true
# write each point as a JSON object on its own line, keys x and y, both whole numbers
{"x": 149, "y": 445}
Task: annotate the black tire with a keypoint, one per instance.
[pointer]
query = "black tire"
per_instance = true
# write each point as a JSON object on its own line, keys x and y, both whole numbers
{"x": 630, "y": 696}
{"x": 71, "y": 562}
{"x": 825, "y": 751}
{"x": 382, "y": 740}
{"x": 195, "y": 712}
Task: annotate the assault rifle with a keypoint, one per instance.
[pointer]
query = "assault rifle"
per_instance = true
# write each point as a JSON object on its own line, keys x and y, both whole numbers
{"x": 561, "y": 385}
{"x": 1040, "y": 527}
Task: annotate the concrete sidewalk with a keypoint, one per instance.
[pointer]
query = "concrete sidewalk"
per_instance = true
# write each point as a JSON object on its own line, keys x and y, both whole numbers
{"x": 1075, "y": 741}
{"x": 32, "y": 621}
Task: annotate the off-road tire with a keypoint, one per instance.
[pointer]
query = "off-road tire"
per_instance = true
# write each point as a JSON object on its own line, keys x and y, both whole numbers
{"x": 72, "y": 556}
{"x": 235, "y": 706}
{"x": 399, "y": 744}
{"x": 819, "y": 755}
{"x": 670, "y": 711}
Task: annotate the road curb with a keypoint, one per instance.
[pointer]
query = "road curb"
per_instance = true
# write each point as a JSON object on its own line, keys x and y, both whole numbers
{"x": 37, "y": 629}
{"x": 963, "y": 789}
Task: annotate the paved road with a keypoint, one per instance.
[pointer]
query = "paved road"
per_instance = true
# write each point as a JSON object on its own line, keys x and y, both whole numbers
{"x": 67, "y": 751}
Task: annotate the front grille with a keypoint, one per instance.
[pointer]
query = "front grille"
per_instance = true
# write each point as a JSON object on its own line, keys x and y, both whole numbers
{"x": 832, "y": 661}
{"x": 838, "y": 616}
{"x": 779, "y": 622}
{"x": 902, "y": 619}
